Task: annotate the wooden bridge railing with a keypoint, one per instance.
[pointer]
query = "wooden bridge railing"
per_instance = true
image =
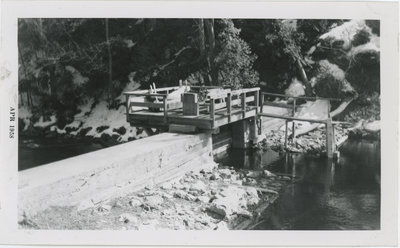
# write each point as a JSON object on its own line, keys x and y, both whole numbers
{"x": 330, "y": 140}
{"x": 220, "y": 103}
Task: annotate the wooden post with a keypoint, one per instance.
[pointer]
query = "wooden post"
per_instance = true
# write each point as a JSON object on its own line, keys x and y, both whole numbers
{"x": 286, "y": 133}
{"x": 293, "y": 126}
{"x": 244, "y": 104}
{"x": 165, "y": 109}
{"x": 256, "y": 99}
{"x": 127, "y": 106}
{"x": 330, "y": 138}
{"x": 229, "y": 106}
{"x": 262, "y": 102}
{"x": 212, "y": 110}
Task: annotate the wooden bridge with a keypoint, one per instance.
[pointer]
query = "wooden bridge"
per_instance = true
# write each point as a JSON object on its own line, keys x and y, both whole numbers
{"x": 215, "y": 115}
{"x": 209, "y": 108}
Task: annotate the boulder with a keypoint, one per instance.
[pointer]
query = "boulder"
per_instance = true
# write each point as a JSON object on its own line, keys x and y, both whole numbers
{"x": 199, "y": 186}
{"x": 135, "y": 202}
{"x": 229, "y": 202}
{"x": 153, "y": 201}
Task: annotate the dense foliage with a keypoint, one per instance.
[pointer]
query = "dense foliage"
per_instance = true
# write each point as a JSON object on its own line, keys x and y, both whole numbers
{"x": 63, "y": 61}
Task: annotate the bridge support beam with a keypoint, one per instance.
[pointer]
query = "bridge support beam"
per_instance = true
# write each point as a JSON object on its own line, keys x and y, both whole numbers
{"x": 244, "y": 133}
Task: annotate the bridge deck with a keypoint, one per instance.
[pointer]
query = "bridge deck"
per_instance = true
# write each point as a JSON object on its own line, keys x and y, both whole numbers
{"x": 218, "y": 110}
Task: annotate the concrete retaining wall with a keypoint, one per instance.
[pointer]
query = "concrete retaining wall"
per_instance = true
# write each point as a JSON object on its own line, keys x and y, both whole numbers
{"x": 94, "y": 177}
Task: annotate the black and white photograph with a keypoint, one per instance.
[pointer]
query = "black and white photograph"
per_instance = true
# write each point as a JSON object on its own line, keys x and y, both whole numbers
{"x": 215, "y": 123}
{"x": 199, "y": 124}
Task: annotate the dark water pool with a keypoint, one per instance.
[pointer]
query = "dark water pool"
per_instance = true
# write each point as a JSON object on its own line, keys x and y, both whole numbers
{"x": 342, "y": 195}
{"x": 32, "y": 153}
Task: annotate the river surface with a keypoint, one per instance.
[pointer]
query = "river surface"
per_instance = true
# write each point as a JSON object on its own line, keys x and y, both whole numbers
{"x": 328, "y": 195}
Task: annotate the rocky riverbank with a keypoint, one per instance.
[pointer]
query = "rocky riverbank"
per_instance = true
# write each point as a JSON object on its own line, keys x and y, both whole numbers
{"x": 313, "y": 143}
{"x": 212, "y": 199}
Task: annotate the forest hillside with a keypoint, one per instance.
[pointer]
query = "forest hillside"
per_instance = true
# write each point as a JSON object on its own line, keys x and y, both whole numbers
{"x": 72, "y": 72}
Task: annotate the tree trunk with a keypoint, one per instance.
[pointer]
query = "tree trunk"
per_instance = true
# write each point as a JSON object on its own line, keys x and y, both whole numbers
{"x": 212, "y": 71}
{"x": 109, "y": 93}
{"x": 27, "y": 88}
{"x": 202, "y": 39}
{"x": 304, "y": 77}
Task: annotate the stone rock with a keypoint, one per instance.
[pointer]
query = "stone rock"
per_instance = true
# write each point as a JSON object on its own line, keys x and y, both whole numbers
{"x": 117, "y": 204}
{"x": 134, "y": 202}
{"x": 219, "y": 209}
{"x": 214, "y": 176}
{"x": 244, "y": 213}
{"x": 167, "y": 196}
{"x": 153, "y": 201}
{"x": 126, "y": 218}
{"x": 267, "y": 173}
{"x": 225, "y": 173}
{"x": 253, "y": 200}
{"x": 222, "y": 226}
{"x": 252, "y": 191}
{"x": 203, "y": 198}
{"x": 189, "y": 197}
{"x": 254, "y": 174}
{"x": 104, "y": 208}
{"x": 199, "y": 186}
{"x": 177, "y": 185}
{"x": 166, "y": 186}
{"x": 231, "y": 200}
{"x": 179, "y": 194}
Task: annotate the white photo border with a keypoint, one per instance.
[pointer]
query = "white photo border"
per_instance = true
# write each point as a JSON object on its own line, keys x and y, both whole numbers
{"x": 386, "y": 12}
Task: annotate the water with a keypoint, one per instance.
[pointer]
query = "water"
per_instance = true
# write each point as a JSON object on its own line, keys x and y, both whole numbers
{"x": 32, "y": 153}
{"x": 343, "y": 195}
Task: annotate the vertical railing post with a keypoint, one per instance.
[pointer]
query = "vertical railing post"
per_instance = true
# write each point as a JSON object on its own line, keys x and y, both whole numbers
{"x": 212, "y": 110}
{"x": 165, "y": 109}
{"x": 229, "y": 106}
{"x": 293, "y": 126}
{"x": 244, "y": 104}
{"x": 262, "y": 102}
{"x": 286, "y": 134}
{"x": 330, "y": 138}
{"x": 256, "y": 100}
{"x": 127, "y": 106}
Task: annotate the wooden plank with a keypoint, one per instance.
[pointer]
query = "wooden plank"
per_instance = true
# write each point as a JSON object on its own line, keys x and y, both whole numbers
{"x": 292, "y": 118}
{"x": 176, "y": 128}
{"x": 146, "y": 94}
{"x": 279, "y": 105}
{"x": 301, "y": 97}
{"x": 146, "y": 105}
{"x": 146, "y": 91}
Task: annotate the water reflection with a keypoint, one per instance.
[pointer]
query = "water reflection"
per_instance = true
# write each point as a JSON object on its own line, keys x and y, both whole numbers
{"x": 330, "y": 195}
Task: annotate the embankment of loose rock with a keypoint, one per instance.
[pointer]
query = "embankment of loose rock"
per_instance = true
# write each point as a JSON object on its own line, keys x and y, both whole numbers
{"x": 210, "y": 199}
